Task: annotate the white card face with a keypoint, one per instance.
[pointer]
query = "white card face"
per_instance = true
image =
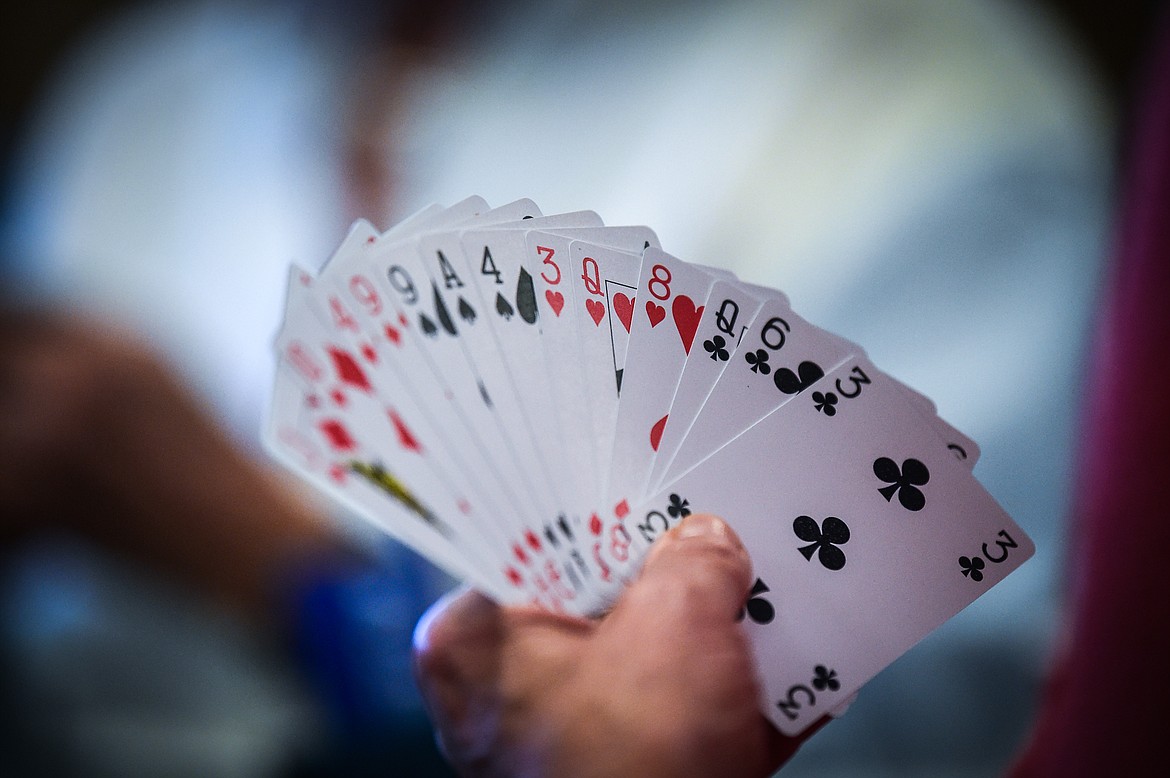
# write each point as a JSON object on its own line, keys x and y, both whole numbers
{"x": 479, "y": 369}
{"x": 960, "y": 445}
{"x": 865, "y": 534}
{"x": 524, "y": 565}
{"x": 341, "y": 416}
{"x": 360, "y": 238}
{"x": 361, "y": 295}
{"x": 605, "y": 283}
{"x": 670, "y": 301}
{"x": 779, "y": 356}
{"x": 549, "y": 262}
{"x": 608, "y": 284}
{"x": 564, "y": 322}
{"x": 506, "y": 291}
{"x": 508, "y": 303}
{"x": 384, "y": 289}
{"x": 516, "y": 311}
{"x": 437, "y": 331}
{"x": 539, "y": 554}
{"x": 376, "y": 294}
{"x": 287, "y": 437}
{"x": 521, "y": 358}
{"x": 730, "y": 309}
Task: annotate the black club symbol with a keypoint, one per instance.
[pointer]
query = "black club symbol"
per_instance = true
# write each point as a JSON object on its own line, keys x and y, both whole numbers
{"x": 972, "y": 567}
{"x": 758, "y": 359}
{"x": 824, "y": 678}
{"x": 757, "y": 608}
{"x": 822, "y": 539}
{"x": 825, "y": 402}
{"x": 679, "y": 508}
{"x": 717, "y": 348}
{"x": 904, "y": 480}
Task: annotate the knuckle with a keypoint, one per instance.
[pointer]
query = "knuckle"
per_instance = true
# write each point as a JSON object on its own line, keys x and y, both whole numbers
{"x": 454, "y": 635}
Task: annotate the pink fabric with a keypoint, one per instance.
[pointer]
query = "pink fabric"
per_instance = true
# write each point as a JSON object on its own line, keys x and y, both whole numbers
{"x": 1105, "y": 711}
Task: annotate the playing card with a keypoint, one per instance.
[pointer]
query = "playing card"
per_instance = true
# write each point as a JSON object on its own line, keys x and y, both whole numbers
{"x": 401, "y": 264}
{"x": 564, "y": 322}
{"x": 865, "y": 534}
{"x": 436, "y": 365}
{"x": 780, "y": 356}
{"x": 372, "y": 298}
{"x": 671, "y": 297}
{"x": 341, "y": 430}
{"x": 604, "y": 285}
{"x": 482, "y": 393}
{"x": 285, "y": 438}
{"x": 731, "y": 308}
{"x": 389, "y": 336}
{"x": 508, "y": 355}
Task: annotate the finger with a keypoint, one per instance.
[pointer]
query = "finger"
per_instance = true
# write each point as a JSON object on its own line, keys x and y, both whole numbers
{"x": 698, "y": 573}
{"x": 457, "y": 663}
{"x": 455, "y": 641}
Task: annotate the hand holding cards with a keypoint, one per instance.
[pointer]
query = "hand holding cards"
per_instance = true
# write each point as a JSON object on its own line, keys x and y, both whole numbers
{"x": 531, "y": 401}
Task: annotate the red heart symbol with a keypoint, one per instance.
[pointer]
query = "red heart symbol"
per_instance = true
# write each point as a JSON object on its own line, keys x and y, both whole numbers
{"x": 393, "y": 334}
{"x": 555, "y": 299}
{"x": 624, "y": 308}
{"x": 656, "y": 432}
{"x": 686, "y": 319}
{"x": 596, "y": 310}
{"x": 656, "y": 313}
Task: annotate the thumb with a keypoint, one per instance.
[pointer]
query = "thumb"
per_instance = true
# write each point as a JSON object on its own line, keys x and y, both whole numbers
{"x": 697, "y": 575}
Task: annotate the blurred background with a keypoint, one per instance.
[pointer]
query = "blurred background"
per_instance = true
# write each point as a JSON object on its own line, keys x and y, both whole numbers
{"x": 932, "y": 180}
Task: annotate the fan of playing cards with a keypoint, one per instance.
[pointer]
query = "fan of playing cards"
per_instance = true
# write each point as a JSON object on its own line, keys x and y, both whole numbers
{"x": 531, "y": 401}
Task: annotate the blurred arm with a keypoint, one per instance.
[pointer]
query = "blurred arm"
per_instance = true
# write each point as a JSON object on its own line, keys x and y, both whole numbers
{"x": 97, "y": 436}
